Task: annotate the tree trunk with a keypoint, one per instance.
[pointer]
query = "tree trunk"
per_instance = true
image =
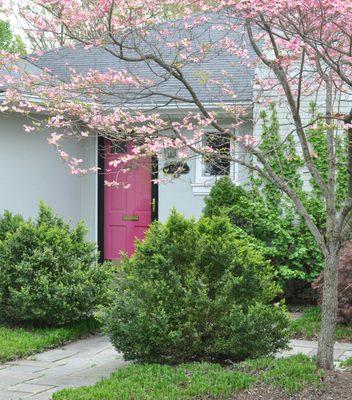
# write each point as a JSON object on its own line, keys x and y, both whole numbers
{"x": 329, "y": 311}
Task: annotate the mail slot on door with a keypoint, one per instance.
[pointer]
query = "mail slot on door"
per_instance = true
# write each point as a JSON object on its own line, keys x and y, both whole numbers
{"x": 130, "y": 218}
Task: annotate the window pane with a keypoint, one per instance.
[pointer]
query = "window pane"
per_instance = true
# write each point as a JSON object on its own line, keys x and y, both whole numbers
{"x": 217, "y": 164}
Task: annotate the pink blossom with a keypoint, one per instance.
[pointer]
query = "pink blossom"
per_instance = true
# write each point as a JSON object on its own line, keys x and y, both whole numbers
{"x": 28, "y": 128}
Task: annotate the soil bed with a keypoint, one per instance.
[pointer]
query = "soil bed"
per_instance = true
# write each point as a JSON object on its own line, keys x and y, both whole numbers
{"x": 336, "y": 385}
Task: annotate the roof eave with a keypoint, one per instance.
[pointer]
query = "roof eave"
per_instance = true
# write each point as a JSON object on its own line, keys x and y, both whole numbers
{"x": 171, "y": 109}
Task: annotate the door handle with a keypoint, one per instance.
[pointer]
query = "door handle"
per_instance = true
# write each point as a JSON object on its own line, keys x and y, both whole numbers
{"x": 153, "y": 205}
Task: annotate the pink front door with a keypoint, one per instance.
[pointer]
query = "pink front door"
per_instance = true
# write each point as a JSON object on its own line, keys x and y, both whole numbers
{"x": 127, "y": 211}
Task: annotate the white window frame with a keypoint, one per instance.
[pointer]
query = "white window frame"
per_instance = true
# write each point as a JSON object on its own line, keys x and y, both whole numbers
{"x": 203, "y": 184}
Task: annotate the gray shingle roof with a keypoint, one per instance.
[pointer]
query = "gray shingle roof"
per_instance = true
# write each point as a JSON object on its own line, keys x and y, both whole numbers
{"x": 200, "y": 76}
{"x": 26, "y": 67}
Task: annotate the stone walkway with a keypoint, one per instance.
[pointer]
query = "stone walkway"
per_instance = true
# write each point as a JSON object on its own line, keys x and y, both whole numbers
{"x": 341, "y": 350}
{"x": 87, "y": 361}
{"x": 76, "y": 364}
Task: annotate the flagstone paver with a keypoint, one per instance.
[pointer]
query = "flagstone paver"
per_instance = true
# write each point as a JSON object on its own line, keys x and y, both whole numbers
{"x": 341, "y": 350}
{"x": 77, "y": 364}
{"x": 87, "y": 361}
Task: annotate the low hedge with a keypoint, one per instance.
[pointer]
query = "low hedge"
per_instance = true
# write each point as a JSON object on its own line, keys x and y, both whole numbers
{"x": 49, "y": 273}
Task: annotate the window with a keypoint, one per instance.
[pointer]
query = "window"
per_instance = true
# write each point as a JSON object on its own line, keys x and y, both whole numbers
{"x": 211, "y": 167}
{"x": 217, "y": 164}
{"x": 170, "y": 152}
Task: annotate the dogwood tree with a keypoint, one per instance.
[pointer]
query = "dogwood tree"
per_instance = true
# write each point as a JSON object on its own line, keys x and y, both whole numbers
{"x": 298, "y": 48}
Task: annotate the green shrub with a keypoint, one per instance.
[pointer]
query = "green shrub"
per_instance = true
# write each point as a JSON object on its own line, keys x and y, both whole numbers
{"x": 9, "y": 223}
{"x": 49, "y": 273}
{"x": 247, "y": 209}
{"x": 195, "y": 291}
{"x": 283, "y": 237}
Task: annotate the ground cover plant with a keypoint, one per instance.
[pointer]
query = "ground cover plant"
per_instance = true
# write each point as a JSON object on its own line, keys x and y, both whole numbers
{"x": 347, "y": 363}
{"x": 308, "y": 326}
{"x": 195, "y": 291}
{"x": 199, "y": 380}
{"x": 49, "y": 273}
{"x": 20, "y": 342}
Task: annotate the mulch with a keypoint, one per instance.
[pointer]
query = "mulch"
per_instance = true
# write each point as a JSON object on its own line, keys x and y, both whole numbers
{"x": 337, "y": 385}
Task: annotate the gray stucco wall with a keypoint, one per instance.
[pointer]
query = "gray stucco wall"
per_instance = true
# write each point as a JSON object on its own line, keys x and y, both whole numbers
{"x": 178, "y": 193}
{"x": 31, "y": 170}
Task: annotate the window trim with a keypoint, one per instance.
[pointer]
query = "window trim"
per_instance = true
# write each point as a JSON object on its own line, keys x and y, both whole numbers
{"x": 203, "y": 184}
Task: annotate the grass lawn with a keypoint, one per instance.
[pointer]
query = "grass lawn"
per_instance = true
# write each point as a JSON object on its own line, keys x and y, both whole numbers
{"x": 22, "y": 342}
{"x": 308, "y": 326}
{"x": 199, "y": 380}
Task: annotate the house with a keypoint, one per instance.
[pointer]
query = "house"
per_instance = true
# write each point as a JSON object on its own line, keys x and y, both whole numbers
{"x": 31, "y": 171}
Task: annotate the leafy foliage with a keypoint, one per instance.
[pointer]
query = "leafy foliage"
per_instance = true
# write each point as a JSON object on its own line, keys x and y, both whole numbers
{"x": 195, "y": 291}
{"x": 270, "y": 217}
{"x": 9, "y": 41}
{"x": 49, "y": 273}
{"x": 9, "y": 223}
{"x": 289, "y": 245}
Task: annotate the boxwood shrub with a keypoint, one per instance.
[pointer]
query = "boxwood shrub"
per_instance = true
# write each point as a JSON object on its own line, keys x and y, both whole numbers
{"x": 9, "y": 223}
{"x": 49, "y": 273}
{"x": 195, "y": 291}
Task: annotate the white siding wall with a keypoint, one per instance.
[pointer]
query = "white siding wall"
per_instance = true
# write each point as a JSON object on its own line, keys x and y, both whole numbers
{"x": 30, "y": 171}
{"x": 342, "y": 104}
